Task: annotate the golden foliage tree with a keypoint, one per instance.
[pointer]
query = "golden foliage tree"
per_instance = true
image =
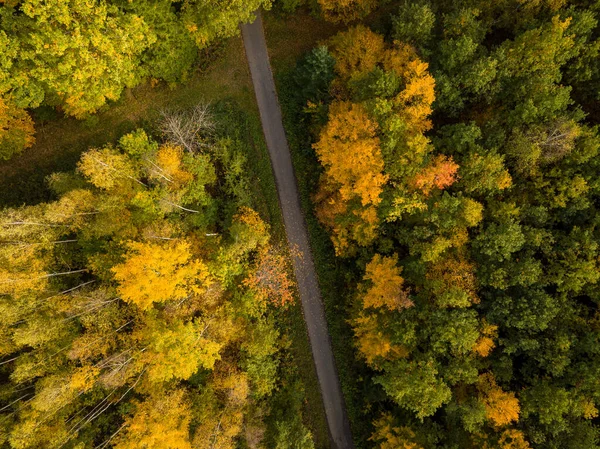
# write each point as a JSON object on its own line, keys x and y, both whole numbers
{"x": 485, "y": 344}
{"x": 176, "y": 350}
{"x": 388, "y": 435}
{"x": 501, "y": 407}
{"x": 349, "y": 150}
{"x": 513, "y": 439}
{"x": 158, "y": 422}
{"x": 346, "y": 10}
{"x": 356, "y": 51}
{"x": 385, "y": 286}
{"x": 155, "y": 272}
{"x": 373, "y": 343}
{"x": 16, "y": 129}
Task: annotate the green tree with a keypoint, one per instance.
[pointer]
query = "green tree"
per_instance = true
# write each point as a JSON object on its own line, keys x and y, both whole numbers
{"x": 96, "y": 61}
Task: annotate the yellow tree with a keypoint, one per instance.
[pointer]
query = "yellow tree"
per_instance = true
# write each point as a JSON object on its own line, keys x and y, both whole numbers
{"x": 348, "y": 223}
{"x": 373, "y": 344}
{"x": 79, "y": 52}
{"x": 346, "y": 10}
{"x": 159, "y": 422}
{"x": 168, "y": 169}
{"x": 513, "y": 439}
{"x": 385, "y": 287}
{"x": 176, "y": 350}
{"x": 485, "y": 344}
{"x": 16, "y": 129}
{"x": 415, "y": 100}
{"x": 154, "y": 272}
{"x": 387, "y": 435}
{"x": 349, "y": 150}
{"x": 221, "y": 417}
{"x": 501, "y": 407}
{"x": 356, "y": 51}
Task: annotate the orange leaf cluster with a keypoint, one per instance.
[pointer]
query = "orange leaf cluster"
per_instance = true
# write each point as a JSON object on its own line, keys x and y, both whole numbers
{"x": 271, "y": 280}
{"x": 439, "y": 174}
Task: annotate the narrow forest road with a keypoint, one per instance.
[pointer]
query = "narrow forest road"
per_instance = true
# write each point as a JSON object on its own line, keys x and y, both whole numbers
{"x": 297, "y": 234}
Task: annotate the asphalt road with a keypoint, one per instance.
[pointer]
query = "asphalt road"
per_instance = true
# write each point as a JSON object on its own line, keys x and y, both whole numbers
{"x": 297, "y": 234}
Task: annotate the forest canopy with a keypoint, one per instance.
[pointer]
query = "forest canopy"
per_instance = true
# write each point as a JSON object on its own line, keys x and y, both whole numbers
{"x": 458, "y": 144}
{"x": 140, "y": 309}
{"x": 447, "y": 154}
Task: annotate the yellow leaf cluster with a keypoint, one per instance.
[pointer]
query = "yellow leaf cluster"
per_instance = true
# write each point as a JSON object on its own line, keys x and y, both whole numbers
{"x": 416, "y": 98}
{"x": 16, "y": 129}
{"x": 169, "y": 165}
{"x": 159, "y": 272}
{"x": 386, "y": 284}
{"x": 158, "y": 423}
{"x": 513, "y": 439}
{"x": 356, "y": 51}
{"x": 346, "y": 10}
{"x": 501, "y": 407}
{"x": 357, "y": 225}
{"x": 485, "y": 343}
{"x": 389, "y": 436}
{"x": 349, "y": 150}
{"x": 372, "y": 343}
{"x": 177, "y": 351}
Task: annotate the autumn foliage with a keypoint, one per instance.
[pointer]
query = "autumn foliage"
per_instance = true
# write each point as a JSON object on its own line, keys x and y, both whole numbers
{"x": 439, "y": 174}
{"x": 501, "y": 407}
{"x": 388, "y": 435}
{"x": 156, "y": 273}
{"x": 125, "y": 302}
{"x": 471, "y": 281}
{"x": 16, "y": 129}
{"x": 271, "y": 279}
{"x": 348, "y": 148}
{"x": 386, "y": 285}
{"x": 346, "y": 10}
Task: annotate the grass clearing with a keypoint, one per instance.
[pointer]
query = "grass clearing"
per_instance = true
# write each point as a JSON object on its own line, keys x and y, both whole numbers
{"x": 61, "y": 140}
